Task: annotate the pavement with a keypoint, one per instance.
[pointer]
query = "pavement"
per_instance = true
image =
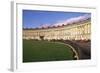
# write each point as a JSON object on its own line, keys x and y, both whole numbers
{"x": 83, "y": 48}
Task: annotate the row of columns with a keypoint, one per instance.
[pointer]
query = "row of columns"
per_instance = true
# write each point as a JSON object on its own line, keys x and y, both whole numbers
{"x": 76, "y": 32}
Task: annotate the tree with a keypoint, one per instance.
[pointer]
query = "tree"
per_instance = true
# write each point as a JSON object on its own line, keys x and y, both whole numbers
{"x": 42, "y": 37}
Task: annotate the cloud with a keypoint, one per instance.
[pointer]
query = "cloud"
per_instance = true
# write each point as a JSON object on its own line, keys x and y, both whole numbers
{"x": 68, "y": 21}
{"x": 44, "y": 25}
{"x": 72, "y": 20}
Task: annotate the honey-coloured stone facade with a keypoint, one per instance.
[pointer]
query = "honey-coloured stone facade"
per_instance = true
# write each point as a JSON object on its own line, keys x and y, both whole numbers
{"x": 75, "y": 31}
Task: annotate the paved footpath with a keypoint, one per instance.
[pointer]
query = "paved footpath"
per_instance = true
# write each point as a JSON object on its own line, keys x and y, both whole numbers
{"x": 83, "y": 49}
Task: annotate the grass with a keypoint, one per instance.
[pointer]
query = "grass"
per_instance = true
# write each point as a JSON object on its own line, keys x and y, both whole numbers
{"x": 35, "y": 51}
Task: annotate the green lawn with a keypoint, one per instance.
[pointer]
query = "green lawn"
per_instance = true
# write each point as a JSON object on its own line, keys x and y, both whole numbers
{"x": 34, "y": 51}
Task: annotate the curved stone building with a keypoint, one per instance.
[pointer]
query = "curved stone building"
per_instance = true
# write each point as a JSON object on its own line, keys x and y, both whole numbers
{"x": 76, "y": 31}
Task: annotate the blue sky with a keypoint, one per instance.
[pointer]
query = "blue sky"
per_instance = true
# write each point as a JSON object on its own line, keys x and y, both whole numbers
{"x": 34, "y": 18}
